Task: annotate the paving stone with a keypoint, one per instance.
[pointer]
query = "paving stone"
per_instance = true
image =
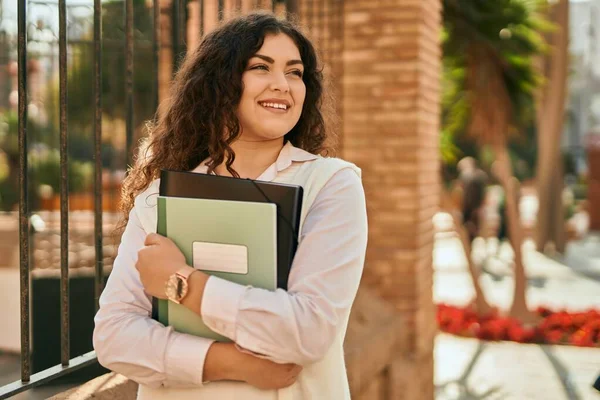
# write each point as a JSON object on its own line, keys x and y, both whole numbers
{"x": 506, "y": 370}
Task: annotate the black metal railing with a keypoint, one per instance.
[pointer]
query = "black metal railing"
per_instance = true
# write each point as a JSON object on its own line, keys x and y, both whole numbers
{"x": 23, "y": 200}
{"x": 179, "y": 28}
{"x": 64, "y": 188}
{"x": 97, "y": 94}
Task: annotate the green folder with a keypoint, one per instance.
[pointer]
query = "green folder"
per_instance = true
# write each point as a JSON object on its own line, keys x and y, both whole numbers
{"x": 233, "y": 240}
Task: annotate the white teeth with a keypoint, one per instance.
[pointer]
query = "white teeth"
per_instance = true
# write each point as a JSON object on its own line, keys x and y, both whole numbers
{"x": 275, "y": 105}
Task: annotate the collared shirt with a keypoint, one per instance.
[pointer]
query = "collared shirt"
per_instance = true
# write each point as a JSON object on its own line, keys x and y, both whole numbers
{"x": 294, "y": 326}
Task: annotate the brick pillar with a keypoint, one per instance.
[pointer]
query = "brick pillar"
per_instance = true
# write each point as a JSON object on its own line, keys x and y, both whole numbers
{"x": 391, "y": 113}
{"x": 593, "y": 153}
{"x": 323, "y": 21}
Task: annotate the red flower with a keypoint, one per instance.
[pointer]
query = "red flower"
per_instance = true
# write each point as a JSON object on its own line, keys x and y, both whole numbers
{"x": 593, "y": 325}
{"x": 529, "y": 335}
{"x": 580, "y": 319}
{"x": 554, "y": 336}
{"x": 520, "y": 334}
{"x": 473, "y": 329}
{"x": 516, "y": 333}
{"x": 577, "y": 328}
{"x": 543, "y": 311}
{"x": 494, "y": 329}
{"x": 582, "y": 338}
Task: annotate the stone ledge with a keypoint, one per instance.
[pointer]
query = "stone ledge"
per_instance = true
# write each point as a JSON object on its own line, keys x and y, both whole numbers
{"x": 375, "y": 339}
{"x": 110, "y": 386}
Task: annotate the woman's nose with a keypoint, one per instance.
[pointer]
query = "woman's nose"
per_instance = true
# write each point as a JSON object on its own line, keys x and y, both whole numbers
{"x": 279, "y": 82}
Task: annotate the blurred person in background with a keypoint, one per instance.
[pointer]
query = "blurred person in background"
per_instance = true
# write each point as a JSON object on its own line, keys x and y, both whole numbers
{"x": 473, "y": 182}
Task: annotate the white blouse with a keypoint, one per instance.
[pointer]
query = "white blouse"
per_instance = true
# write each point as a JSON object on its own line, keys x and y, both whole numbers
{"x": 295, "y": 326}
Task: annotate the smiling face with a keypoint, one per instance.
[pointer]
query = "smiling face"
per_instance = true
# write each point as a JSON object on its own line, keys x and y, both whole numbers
{"x": 274, "y": 92}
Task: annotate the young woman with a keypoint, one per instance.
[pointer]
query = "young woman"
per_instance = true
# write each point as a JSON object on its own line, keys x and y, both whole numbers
{"x": 246, "y": 103}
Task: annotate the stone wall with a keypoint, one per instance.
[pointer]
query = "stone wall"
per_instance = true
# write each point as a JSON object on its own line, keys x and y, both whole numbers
{"x": 45, "y": 243}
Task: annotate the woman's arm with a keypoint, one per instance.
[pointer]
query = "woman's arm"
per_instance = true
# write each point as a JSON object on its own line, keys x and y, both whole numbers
{"x": 128, "y": 341}
{"x": 298, "y": 326}
{"x": 225, "y": 362}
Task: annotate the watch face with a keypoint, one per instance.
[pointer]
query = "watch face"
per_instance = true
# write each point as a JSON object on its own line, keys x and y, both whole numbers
{"x": 176, "y": 288}
{"x": 172, "y": 288}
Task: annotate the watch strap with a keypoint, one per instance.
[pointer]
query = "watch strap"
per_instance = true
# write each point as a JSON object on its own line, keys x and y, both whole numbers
{"x": 185, "y": 272}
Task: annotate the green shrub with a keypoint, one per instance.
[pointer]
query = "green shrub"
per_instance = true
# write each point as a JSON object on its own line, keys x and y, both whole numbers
{"x": 45, "y": 170}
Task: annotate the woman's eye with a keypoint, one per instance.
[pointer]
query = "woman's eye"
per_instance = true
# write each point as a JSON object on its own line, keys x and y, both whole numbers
{"x": 297, "y": 72}
{"x": 260, "y": 67}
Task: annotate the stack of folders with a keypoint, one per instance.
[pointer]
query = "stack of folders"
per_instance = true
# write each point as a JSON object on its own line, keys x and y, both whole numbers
{"x": 240, "y": 230}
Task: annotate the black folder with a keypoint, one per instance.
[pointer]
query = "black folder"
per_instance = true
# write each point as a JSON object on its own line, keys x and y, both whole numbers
{"x": 287, "y": 198}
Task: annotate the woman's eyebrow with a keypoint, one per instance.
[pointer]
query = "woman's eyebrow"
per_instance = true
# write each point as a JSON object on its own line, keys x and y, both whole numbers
{"x": 271, "y": 61}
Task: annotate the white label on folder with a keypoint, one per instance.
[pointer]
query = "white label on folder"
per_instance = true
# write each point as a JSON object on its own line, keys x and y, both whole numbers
{"x": 219, "y": 257}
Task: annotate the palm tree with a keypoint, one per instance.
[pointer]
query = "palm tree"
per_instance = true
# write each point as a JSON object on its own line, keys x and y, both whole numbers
{"x": 491, "y": 46}
{"x": 550, "y": 116}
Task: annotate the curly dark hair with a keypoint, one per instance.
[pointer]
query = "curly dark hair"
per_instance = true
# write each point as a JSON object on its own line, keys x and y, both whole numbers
{"x": 200, "y": 121}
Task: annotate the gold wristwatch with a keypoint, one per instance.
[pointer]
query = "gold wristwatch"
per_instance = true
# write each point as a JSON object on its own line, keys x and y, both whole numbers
{"x": 177, "y": 286}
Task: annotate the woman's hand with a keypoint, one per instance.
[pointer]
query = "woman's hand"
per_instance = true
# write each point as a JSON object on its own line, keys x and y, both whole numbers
{"x": 157, "y": 261}
{"x": 265, "y": 374}
{"x": 225, "y": 362}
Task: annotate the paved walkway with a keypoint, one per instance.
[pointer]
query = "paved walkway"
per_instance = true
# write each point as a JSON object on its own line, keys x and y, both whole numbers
{"x": 468, "y": 369}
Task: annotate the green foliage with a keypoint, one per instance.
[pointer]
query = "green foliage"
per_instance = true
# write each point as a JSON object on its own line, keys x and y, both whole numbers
{"x": 9, "y": 132}
{"x": 449, "y": 151}
{"x": 80, "y": 79}
{"x": 44, "y": 159}
{"x": 580, "y": 191}
{"x": 43, "y": 162}
{"x": 512, "y": 27}
{"x": 455, "y": 110}
{"x": 45, "y": 168}
{"x": 512, "y": 30}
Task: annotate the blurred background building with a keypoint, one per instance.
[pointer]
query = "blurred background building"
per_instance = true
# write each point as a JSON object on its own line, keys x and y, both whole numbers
{"x": 584, "y": 79}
